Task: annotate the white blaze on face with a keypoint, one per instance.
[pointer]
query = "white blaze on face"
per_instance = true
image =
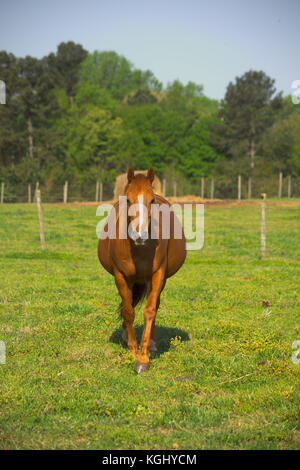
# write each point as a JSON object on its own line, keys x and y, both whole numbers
{"x": 141, "y": 212}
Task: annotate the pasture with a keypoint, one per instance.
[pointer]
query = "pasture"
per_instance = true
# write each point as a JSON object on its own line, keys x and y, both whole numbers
{"x": 223, "y": 377}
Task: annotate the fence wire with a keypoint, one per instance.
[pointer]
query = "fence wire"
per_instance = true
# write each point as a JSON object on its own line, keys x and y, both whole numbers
{"x": 218, "y": 187}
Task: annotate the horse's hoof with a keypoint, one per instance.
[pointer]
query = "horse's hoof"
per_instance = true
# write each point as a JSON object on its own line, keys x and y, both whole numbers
{"x": 141, "y": 366}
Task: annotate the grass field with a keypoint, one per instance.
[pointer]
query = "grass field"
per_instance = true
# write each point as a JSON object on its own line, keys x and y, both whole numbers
{"x": 223, "y": 377}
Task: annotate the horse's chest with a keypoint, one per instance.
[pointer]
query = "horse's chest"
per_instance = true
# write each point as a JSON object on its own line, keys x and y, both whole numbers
{"x": 143, "y": 267}
{"x": 137, "y": 263}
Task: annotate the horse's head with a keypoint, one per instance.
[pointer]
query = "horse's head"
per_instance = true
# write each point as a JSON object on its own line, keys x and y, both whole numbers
{"x": 140, "y": 196}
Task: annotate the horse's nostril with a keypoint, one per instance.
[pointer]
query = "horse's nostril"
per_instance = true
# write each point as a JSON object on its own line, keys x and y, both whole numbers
{"x": 140, "y": 241}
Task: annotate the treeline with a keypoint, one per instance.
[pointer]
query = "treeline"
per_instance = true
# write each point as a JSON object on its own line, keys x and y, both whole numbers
{"x": 81, "y": 116}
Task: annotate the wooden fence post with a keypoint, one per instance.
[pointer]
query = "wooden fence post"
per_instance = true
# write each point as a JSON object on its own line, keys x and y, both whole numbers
{"x": 174, "y": 188}
{"x": 66, "y": 192}
{"x": 239, "y": 187}
{"x": 29, "y": 193}
{"x": 212, "y": 188}
{"x": 249, "y": 187}
{"x": 101, "y": 192}
{"x": 41, "y": 220}
{"x": 97, "y": 191}
{"x": 289, "y": 186}
{"x": 280, "y": 185}
{"x": 2, "y": 192}
{"x": 37, "y": 184}
{"x": 164, "y": 187}
{"x": 263, "y": 228}
{"x": 202, "y": 187}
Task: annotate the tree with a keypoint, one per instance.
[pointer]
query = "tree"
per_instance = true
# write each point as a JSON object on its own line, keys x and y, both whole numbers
{"x": 10, "y": 142}
{"x": 140, "y": 97}
{"x": 184, "y": 99}
{"x": 35, "y": 100}
{"x": 64, "y": 66}
{"x": 158, "y": 131}
{"x": 281, "y": 145}
{"x": 198, "y": 156}
{"x": 91, "y": 143}
{"x": 89, "y": 95}
{"x": 247, "y": 111}
{"x": 113, "y": 72}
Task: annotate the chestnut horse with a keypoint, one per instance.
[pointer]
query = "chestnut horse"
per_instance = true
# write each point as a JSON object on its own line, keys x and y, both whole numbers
{"x": 141, "y": 264}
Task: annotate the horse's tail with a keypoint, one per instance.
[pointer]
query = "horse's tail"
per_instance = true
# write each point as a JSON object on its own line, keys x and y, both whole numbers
{"x": 139, "y": 292}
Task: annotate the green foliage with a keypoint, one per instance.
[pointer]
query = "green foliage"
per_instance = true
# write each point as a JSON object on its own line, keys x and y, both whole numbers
{"x": 249, "y": 108}
{"x": 281, "y": 144}
{"x": 92, "y": 142}
{"x": 92, "y": 115}
{"x": 83, "y": 116}
{"x": 112, "y": 72}
{"x": 64, "y": 66}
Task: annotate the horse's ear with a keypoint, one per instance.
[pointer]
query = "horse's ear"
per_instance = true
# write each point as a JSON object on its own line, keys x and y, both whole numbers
{"x": 150, "y": 174}
{"x": 130, "y": 174}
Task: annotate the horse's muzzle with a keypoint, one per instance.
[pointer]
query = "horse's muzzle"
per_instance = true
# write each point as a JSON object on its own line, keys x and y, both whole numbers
{"x": 142, "y": 239}
{"x": 140, "y": 242}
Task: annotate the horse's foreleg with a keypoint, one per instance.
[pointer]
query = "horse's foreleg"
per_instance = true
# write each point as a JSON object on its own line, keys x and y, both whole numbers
{"x": 158, "y": 280}
{"x": 127, "y": 311}
{"x": 152, "y": 347}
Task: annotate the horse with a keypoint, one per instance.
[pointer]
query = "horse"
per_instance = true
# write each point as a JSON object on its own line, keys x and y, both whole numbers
{"x": 141, "y": 264}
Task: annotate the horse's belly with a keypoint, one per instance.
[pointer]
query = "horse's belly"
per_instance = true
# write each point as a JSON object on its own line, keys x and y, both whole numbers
{"x": 176, "y": 256}
{"x": 104, "y": 255}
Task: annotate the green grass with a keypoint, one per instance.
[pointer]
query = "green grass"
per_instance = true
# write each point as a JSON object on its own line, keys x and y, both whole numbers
{"x": 223, "y": 376}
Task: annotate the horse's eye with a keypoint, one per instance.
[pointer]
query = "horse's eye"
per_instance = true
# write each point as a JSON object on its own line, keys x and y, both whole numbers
{"x": 128, "y": 202}
{"x": 153, "y": 201}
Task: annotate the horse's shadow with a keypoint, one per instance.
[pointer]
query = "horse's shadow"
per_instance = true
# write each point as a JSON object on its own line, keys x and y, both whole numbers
{"x": 163, "y": 336}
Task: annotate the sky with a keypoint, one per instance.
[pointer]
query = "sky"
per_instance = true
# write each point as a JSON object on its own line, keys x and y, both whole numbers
{"x": 208, "y": 42}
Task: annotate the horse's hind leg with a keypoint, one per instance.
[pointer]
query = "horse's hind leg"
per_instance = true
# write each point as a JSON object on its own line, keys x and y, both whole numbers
{"x": 152, "y": 346}
{"x": 127, "y": 311}
{"x": 124, "y": 334}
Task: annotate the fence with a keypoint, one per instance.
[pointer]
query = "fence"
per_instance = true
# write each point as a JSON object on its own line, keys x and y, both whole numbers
{"x": 217, "y": 187}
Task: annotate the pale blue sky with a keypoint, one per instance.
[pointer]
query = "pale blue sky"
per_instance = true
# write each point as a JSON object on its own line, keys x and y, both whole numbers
{"x": 208, "y": 42}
